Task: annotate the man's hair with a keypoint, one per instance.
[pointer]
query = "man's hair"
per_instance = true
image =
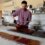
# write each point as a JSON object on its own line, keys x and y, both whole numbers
{"x": 24, "y": 2}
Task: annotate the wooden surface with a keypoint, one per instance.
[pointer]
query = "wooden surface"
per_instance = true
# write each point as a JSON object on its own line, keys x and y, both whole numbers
{"x": 19, "y": 39}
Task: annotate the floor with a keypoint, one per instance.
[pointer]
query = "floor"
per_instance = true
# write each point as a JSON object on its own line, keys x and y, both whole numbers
{"x": 4, "y": 41}
{"x": 8, "y": 42}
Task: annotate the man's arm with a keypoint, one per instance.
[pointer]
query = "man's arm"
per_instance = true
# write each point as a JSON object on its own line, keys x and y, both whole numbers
{"x": 15, "y": 13}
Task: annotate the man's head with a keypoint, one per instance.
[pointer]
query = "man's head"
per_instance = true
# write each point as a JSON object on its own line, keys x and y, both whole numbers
{"x": 24, "y": 4}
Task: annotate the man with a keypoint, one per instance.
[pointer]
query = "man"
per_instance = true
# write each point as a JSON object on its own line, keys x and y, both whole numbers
{"x": 24, "y": 17}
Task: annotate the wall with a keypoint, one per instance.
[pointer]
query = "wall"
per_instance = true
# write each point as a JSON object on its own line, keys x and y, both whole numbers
{"x": 17, "y": 3}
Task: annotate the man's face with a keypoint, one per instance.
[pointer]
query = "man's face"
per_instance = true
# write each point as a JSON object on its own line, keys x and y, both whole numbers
{"x": 24, "y": 6}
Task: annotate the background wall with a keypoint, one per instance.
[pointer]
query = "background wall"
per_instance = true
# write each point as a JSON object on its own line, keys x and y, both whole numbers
{"x": 35, "y": 3}
{"x": 16, "y": 3}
